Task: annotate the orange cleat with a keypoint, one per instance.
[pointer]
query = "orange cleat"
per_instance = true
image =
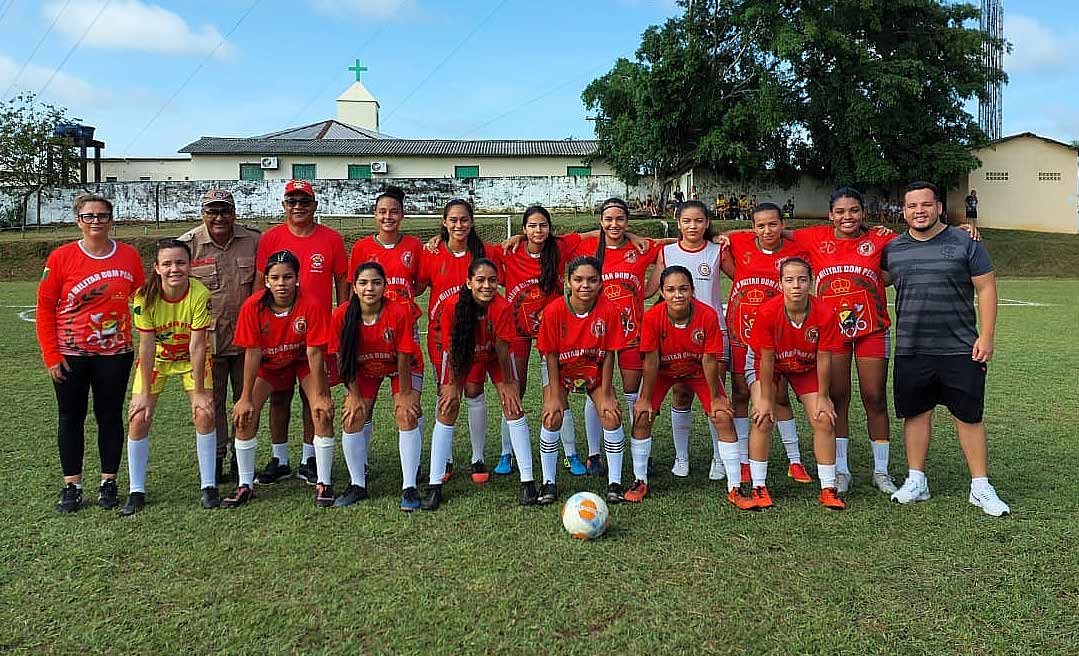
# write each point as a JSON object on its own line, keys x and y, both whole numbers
{"x": 637, "y": 492}
{"x": 741, "y": 501}
{"x": 761, "y": 497}
{"x": 747, "y": 475}
{"x": 798, "y": 473}
{"x": 480, "y": 475}
{"x": 829, "y": 498}
{"x": 449, "y": 473}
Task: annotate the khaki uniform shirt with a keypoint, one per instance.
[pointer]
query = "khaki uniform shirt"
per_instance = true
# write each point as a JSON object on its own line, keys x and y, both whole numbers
{"x": 228, "y": 272}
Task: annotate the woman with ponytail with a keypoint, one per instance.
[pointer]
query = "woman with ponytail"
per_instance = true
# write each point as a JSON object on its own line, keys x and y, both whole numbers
{"x": 372, "y": 338}
{"x": 477, "y": 329}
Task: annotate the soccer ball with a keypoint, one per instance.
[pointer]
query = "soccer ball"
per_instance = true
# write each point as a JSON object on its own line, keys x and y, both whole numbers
{"x": 585, "y": 516}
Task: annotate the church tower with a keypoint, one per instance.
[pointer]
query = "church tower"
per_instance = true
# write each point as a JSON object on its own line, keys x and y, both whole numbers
{"x": 356, "y": 106}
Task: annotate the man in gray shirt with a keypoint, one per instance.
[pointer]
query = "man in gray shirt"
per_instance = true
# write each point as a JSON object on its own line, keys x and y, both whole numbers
{"x": 940, "y": 357}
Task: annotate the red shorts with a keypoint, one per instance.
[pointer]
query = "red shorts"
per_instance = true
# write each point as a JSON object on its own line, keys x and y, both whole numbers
{"x": 630, "y": 359}
{"x": 282, "y": 378}
{"x": 738, "y": 358}
{"x": 698, "y": 385}
{"x": 521, "y": 346}
{"x": 876, "y": 345}
{"x": 802, "y": 383}
{"x": 368, "y": 387}
{"x": 478, "y": 373}
{"x": 333, "y": 377}
{"x": 581, "y": 381}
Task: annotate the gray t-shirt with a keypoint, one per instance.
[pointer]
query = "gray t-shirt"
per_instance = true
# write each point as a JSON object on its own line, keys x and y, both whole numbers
{"x": 934, "y": 306}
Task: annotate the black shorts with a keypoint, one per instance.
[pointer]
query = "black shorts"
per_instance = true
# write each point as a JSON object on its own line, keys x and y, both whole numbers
{"x": 922, "y": 382}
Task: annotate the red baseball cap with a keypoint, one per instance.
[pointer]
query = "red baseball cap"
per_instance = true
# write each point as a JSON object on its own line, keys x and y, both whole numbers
{"x": 301, "y": 186}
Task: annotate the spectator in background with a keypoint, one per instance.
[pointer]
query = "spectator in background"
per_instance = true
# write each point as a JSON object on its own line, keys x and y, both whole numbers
{"x": 971, "y": 202}
{"x": 693, "y": 195}
{"x": 223, "y": 260}
{"x": 679, "y": 198}
{"x": 788, "y": 209}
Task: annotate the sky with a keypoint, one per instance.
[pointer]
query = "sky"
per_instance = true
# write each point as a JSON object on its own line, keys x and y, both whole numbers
{"x": 155, "y": 75}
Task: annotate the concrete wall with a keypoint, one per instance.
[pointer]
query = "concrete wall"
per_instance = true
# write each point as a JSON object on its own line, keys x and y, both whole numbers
{"x": 1023, "y": 201}
{"x": 178, "y": 200}
{"x": 131, "y": 170}
{"x": 810, "y": 195}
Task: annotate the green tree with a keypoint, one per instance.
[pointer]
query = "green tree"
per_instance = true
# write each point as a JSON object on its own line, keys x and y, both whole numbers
{"x": 32, "y": 157}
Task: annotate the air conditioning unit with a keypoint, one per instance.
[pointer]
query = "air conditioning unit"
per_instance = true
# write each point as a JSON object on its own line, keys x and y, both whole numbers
{"x": 268, "y": 163}
{"x": 380, "y": 167}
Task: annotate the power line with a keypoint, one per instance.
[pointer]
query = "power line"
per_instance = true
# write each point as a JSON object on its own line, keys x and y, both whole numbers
{"x": 446, "y": 58}
{"x": 75, "y": 47}
{"x": 191, "y": 76}
{"x": 6, "y": 9}
{"x": 37, "y": 47}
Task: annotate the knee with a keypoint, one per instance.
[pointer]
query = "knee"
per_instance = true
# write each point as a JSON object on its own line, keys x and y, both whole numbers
{"x": 681, "y": 398}
{"x": 874, "y": 402}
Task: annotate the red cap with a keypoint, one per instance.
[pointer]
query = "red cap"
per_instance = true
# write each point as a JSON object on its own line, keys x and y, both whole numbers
{"x": 302, "y": 186}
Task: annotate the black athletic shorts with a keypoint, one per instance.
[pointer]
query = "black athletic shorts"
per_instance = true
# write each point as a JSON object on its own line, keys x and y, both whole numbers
{"x": 922, "y": 382}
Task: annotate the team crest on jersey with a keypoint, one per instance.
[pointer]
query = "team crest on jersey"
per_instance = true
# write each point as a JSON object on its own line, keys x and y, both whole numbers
{"x": 827, "y": 247}
{"x": 866, "y": 248}
{"x": 406, "y": 259}
{"x": 840, "y": 286}
{"x": 535, "y": 294}
{"x": 631, "y": 255}
{"x": 317, "y": 260}
{"x": 812, "y": 335}
{"x": 852, "y": 318}
{"x": 300, "y": 325}
{"x": 704, "y": 269}
{"x": 388, "y": 335}
{"x": 599, "y": 328}
{"x": 698, "y": 336}
{"x": 106, "y": 330}
{"x": 754, "y": 297}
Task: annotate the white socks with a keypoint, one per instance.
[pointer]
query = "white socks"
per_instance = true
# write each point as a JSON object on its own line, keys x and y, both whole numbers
{"x": 206, "y": 447}
{"x": 880, "y": 455}
{"x": 409, "y": 444}
{"x": 507, "y": 443}
{"x": 569, "y": 434}
{"x": 280, "y": 451}
{"x": 841, "y": 444}
{"x": 613, "y": 443}
{"x": 716, "y": 454}
{"x": 640, "y": 450}
{"x": 245, "y": 459}
{"x": 522, "y": 446}
{"x": 138, "y": 453}
{"x": 788, "y": 434}
{"x": 728, "y": 453}
{"x": 917, "y": 476}
{"x": 308, "y": 451}
{"x": 826, "y": 474}
{"x": 354, "y": 446}
{"x": 548, "y": 454}
{"x": 631, "y": 398}
{"x": 759, "y": 471}
{"x": 681, "y": 422}
{"x": 592, "y": 427}
{"x": 441, "y": 449}
{"x": 324, "y": 458}
{"x": 477, "y": 425}
{"x": 741, "y": 429}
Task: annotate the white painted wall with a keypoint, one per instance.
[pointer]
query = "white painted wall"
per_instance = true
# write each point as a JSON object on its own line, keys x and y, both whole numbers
{"x": 129, "y": 170}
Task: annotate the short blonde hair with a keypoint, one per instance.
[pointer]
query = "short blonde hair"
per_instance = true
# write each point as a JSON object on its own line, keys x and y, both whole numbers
{"x": 90, "y": 198}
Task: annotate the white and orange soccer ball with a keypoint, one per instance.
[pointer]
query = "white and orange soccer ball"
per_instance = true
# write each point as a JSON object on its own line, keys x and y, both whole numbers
{"x": 585, "y": 516}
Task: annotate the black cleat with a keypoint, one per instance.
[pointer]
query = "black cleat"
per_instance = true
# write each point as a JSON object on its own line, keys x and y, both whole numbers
{"x": 136, "y": 501}
{"x": 242, "y": 495}
{"x": 70, "y": 499}
{"x": 432, "y": 499}
{"x": 614, "y": 493}
{"x": 410, "y": 499}
{"x": 548, "y": 494}
{"x": 351, "y": 495}
{"x": 273, "y": 471}
{"x": 528, "y": 495}
{"x": 307, "y": 472}
{"x": 323, "y": 495}
{"x": 107, "y": 498}
{"x": 210, "y": 498}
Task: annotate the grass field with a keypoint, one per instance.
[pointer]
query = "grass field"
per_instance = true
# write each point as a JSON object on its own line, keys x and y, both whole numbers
{"x": 682, "y": 573}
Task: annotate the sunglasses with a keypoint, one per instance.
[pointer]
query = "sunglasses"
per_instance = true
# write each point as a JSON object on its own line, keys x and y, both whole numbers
{"x": 299, "y": 202}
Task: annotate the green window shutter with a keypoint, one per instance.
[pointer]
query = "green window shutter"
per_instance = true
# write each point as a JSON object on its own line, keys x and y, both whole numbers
{"x": 466, "y": 171}
{"x": 359, "y": 171}
{"x": 252, "y": 172}
{"x": 578, "y": 171}
{"x": 303, "y": 172}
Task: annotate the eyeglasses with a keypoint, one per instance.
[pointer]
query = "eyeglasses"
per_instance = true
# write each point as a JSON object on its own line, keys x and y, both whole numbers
{"x": 95, "y": 218}
{"x": 213, "y": 211}
{"x": 299, "y": 202}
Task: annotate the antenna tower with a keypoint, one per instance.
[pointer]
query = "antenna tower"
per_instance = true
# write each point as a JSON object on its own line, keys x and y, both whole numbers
{"x": 989, "y": 108}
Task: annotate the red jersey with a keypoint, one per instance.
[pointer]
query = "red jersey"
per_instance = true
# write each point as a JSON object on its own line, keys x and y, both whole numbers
{"x": 581, "y": 342}
{"x": 681, "y": 348}
{"x": 756, "y": 279}
{"x": 321, "y": 254}
{"x": 795, "y": 347}
{"x": 82, "y": 301}
{"x": 390, "y": 334}
{"x": 520, "y": 272}
{"x": 401, "y": 262}
{"x": 283, "y": 338}
{"x": 624, "y": 269}
{"x": 848, "y": 277}
{"x": 496, "y": 324}
{"x": 444, "y": 272}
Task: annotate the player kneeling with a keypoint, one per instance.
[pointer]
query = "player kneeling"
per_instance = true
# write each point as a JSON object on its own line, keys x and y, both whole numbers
{"x": 477, "y": 325}
{"x": 682, "y": 343}
{"x": 579, "y": 336}
{"x": 793, "y": 336}
{"x": 373, "y": 338}
{"x": 283, "y": 332}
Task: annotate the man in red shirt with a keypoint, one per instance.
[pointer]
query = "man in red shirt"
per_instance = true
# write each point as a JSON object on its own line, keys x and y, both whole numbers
{"x": 323, "y": 274}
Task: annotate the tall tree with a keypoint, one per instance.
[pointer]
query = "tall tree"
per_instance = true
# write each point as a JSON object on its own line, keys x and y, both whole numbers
{"x": 32, "y": 156}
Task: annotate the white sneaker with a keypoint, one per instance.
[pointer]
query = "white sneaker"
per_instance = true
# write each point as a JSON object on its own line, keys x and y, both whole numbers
{"x": 843, "y": 481}
{"x": 884, "y": 483}
{"x": 718, "y": 472}
{"x": 989, "y": 502}
{"x": 680, "y": 468}
{"x": 911, "y": 492}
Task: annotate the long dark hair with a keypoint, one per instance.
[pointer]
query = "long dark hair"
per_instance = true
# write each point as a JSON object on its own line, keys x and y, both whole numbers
{"x": 845, "y": 192}
{"x": 349, "y": 344}
{"x": 549, "y": 254}
{"x": 601, "y": 249}
{"x": 394, "y": 193}
{"x": 709, "y": 232}
{"x": 151, "y": 289}
{"x": 465, "y": 320}
{"x": 280, "y": 257}
{"x": 474, "y": 243}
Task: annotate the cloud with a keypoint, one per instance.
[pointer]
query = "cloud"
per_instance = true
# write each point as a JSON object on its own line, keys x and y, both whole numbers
{"x": 1039, "y": 49}
{"x": 377, "y": 9}
{"x": 65, "y": 89}
{"x": 135, "y": 25}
